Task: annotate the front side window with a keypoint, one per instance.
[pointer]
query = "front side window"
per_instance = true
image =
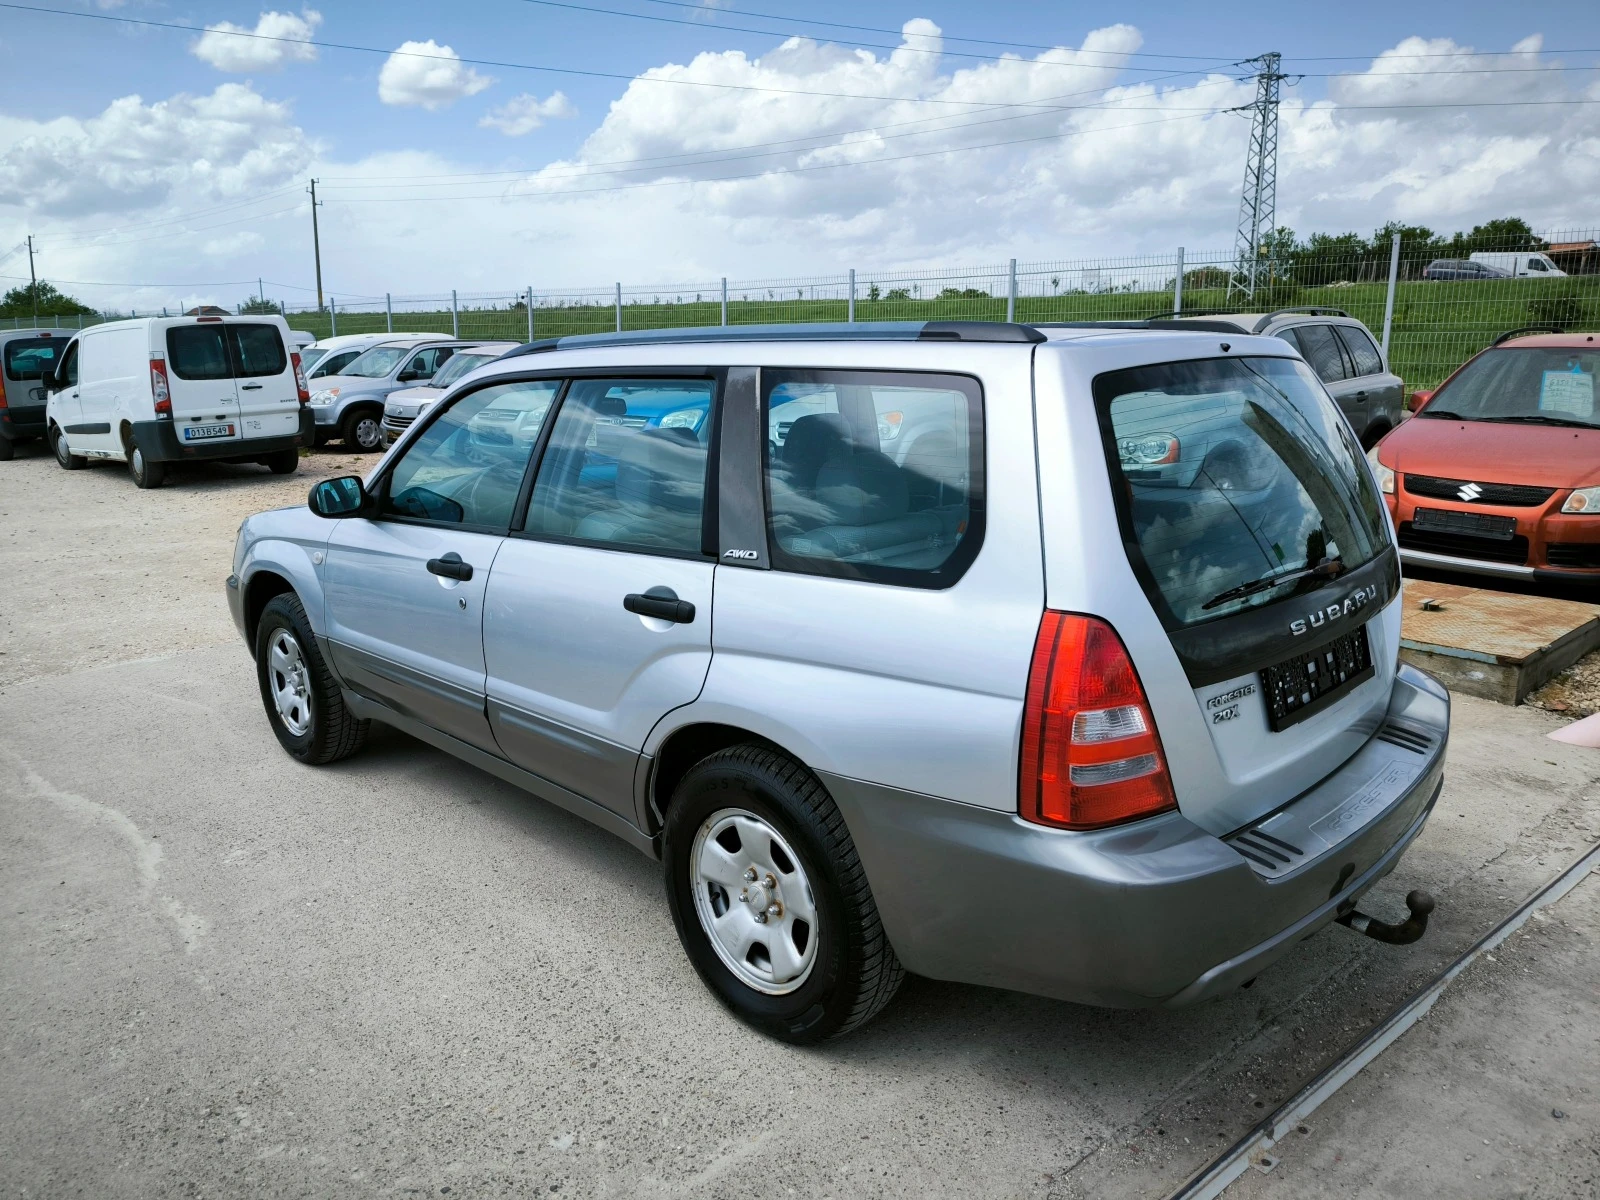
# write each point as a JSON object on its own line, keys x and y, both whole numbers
{"x": 29, "y": 358}
{"x": 423, "y": 365}
{"x": 616, "y": 472}
{"x": 1363, "y": 352}
{"x": 1531, "y": 385}
{"x": 257, "y": 349}
{"x": 874, "y": 475}
{"x": 1240, "y": 484}
{"x": 69, "y": 366}
{"x": 198, "y": 352}
{"x": 466, "y": 467}
{"x": 1537, "y": 264}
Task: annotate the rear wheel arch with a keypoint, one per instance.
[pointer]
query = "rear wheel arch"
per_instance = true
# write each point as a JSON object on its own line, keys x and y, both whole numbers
{"x": 685, "y": 747}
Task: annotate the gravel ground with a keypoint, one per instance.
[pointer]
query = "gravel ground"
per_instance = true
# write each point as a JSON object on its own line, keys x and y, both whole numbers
{"x": 1575, "y": 692}
{"x": 223, "y": 974}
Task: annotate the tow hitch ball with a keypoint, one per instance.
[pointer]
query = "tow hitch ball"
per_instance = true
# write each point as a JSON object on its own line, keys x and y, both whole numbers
{"x": 1408, "y": 931}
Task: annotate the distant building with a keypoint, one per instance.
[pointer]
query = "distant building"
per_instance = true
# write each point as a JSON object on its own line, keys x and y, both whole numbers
{"x": 208, "y": 310}
{"x": 1576, "y": 258}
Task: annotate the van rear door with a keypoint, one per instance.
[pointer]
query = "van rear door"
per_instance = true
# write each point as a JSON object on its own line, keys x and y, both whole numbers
{"x": 269, "y": 401}
{"x": 205, "y": 398}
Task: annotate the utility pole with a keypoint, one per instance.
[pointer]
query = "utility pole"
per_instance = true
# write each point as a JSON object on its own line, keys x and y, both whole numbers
{"x": 33, "y": 281}
{"x": 316, "y": 242}
{"x": 1259, "y": 200}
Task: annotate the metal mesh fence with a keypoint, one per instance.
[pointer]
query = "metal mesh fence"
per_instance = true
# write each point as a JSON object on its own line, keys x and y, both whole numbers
{"x": 1437, "y": 323}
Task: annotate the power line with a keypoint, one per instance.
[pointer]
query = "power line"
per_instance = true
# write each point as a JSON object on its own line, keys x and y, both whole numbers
{"x": 501, "y": 64}
{"x": 231, "y": 206}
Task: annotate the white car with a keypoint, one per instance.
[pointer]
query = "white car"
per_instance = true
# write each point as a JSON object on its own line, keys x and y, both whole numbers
{"x": 1523, "y": 264}
{"x": 157, "y": 390}
{"x": 405, "y": 406}
{"x": 332, "y": 355}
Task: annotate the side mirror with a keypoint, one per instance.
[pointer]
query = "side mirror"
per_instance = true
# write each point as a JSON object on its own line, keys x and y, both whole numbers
{"x": 1418, "y": 398}
{"x": 408, "y": 376}
{"x": 334, "y": 498}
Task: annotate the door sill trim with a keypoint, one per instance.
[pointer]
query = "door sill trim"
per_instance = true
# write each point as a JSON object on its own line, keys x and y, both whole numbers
{"x": 554, "y": 793}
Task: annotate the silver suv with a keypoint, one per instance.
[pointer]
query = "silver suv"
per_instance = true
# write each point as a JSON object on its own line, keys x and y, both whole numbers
{"x": 1059, "y": 661}
{"x": 1340, "y": 349}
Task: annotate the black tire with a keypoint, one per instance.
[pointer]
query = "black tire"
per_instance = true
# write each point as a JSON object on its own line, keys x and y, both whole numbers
{"x": 333, "y": 731}
{"x": 7, "y": 453}
{"x": 1373, "y": 435}
{"x": 284, "y": 462}
{"x": 855, "y": 971}
{"x": 65, "y": 459}
{"x": 146, "y": 473}
{"x": 362, "y": 423}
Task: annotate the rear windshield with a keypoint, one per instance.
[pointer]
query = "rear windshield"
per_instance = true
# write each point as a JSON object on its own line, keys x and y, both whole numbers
{"x": 1533, "y": 385}
{"x": 26, "y": 358}
{"x": 1239, "y": 483}
{"x": 377, "y": 362}
{"x": 218, "y": 351}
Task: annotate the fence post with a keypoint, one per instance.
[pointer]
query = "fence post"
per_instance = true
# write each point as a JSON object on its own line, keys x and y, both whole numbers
{"x": 724, "y": 299}
{"x": 530, "y": 312}
{"x": 388, "y": 312}
{"x": 455, "y": 316}
{"x": 1177, "y": 285}
{"x": 1388, "y": 300}
{"x": 619, "y": 307}
{"x": 1011, "y": 294}
{"x": 333, "y": 318}
{"x": 852, "y": 317}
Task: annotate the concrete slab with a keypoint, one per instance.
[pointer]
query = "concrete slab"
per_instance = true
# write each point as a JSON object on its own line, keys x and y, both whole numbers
{"x": 1497, "y": 645}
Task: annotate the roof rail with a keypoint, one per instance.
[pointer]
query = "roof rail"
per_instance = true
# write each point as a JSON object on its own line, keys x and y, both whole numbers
{"x": 1511, "y": 333}
{"x": 1311, "y": 310}
{"x": 1184, "y": 326}
{"x": 830, "y": 331}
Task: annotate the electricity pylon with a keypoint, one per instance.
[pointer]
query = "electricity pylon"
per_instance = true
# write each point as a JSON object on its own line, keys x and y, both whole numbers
{"x": 1258, "y": 204}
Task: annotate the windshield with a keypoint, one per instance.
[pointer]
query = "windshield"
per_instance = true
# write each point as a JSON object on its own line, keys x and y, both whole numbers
{"x": 1242, "y": 484}
{"x": 1534, "y": 385}
{"x": 377, "y": 362}
{"x": 459, "y": 366}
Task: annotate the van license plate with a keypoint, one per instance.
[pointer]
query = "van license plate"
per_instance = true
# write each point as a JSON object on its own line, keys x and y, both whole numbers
{"x": 199, "y": 433}
{"x": 1308, "y": 683}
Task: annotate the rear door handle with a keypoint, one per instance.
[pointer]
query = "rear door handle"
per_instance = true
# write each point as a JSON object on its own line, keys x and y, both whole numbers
{"x": 450, "y": 566}
{"x": 249, "y": 387}
{"x": 660, "y": 602}
{"x": 1361, "y": 395}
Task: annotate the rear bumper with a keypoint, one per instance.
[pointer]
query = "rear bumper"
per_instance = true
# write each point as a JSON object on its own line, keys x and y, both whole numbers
{"x": 158, "y": 440}
{"x": 1158, "y": 912}
{"x": 22, "y": 422}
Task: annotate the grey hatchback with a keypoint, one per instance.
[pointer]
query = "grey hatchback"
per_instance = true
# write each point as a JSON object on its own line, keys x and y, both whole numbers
{"x": 1063, "y": 661}
{"x": 25, "y": 356}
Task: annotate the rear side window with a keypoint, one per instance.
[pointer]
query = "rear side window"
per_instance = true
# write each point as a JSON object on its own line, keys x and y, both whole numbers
{"x": 198, "y": 352}
{"x": 257, "y": 349}
{"x": 1239, "y": 484}
{"x": 29, "y": 358}
{"x": 874, "y": 475}
{"x": 1321, "y": 350}
{"x": 1362, "y": 351}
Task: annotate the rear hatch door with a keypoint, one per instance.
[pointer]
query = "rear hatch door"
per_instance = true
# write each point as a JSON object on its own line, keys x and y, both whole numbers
{"x": 269, "y": 401}
{"x": 26, "y": 358}
{"x": 1257, "y": 533}
{"x": 205, "y": 396}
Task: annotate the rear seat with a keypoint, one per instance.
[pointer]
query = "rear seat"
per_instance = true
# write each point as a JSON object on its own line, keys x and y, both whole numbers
{"x": 865, "y": 501}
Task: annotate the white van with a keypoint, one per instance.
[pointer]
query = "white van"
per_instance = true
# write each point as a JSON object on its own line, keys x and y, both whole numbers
{"x": 1523, "y": 263}
{"x": 156, "y": 390}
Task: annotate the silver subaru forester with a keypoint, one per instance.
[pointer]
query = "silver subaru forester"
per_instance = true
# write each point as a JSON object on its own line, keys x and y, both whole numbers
{"x": 1056, "y": 659}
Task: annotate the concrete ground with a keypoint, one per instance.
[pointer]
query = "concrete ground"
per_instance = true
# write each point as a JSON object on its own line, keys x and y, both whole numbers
{"x": 225, "y": 974}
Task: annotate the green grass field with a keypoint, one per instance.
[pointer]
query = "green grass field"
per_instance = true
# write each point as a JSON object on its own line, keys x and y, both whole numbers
{"x": 1437, "y": 326}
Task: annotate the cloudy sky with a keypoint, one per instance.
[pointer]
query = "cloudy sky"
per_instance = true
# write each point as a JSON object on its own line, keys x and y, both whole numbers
{"x": 158, "y": 156}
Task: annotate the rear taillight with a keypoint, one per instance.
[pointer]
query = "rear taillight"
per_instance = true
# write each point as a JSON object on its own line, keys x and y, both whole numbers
{"x": 2, "y": 391}
{"x": 159, "y": 390}
{"x": 300, "y": 379}
{"x": 1090, "y": 753}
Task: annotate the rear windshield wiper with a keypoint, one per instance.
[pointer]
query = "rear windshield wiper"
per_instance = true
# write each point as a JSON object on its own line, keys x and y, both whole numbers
{"x": 1328, "y": 567}
{"x": 1542, "y": 419}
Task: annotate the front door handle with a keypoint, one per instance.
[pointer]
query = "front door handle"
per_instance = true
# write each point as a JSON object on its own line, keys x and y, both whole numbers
{"x": 660, "y": 602}
{"x": 450, "y": 566}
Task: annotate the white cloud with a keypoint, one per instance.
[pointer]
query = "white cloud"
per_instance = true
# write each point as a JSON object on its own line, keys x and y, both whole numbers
{"x": 523, "y": 114}
{"x": 427, "y": 75}
{"x": 133, "y": 156}
{"x": 278, "y": 38}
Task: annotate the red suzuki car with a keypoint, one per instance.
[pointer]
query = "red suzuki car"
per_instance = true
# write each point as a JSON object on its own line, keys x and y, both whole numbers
{"x": 1499, "y": 471}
